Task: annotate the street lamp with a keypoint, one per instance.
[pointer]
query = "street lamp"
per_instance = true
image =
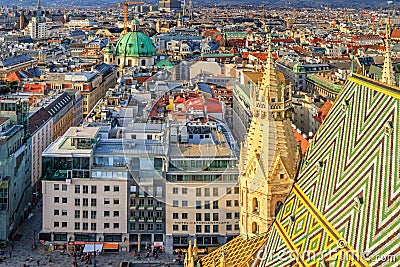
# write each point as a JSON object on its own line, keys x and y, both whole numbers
{"x": 34, "y": 234}
{"x": 94, "y": 248}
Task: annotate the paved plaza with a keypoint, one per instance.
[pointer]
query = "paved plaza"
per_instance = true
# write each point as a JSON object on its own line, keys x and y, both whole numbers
{"x": 20, "y": 252}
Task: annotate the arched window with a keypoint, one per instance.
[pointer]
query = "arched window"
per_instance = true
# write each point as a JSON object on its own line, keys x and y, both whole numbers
{"x": 255, "y": 205}
{"x": 254, "y": 228}
{"x": 278, "y": 206}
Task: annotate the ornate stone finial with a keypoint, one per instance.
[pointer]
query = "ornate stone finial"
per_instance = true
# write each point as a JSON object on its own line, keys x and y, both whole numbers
{"x": 195, "y": 251}
{"x": 387, "y": 71}
{"x": 223, "y": 258}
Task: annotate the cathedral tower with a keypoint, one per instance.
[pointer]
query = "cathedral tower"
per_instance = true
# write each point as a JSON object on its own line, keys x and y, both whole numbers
{"x": 269, "y": 155}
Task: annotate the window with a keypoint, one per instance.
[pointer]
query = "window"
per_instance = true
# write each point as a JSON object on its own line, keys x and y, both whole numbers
{"x": 56, "y": 224}
{"x": 206, "y": 192}
{"x": 198, "y": 217}
{"x": 77, "y": 213}
{"x": 85, "y": 226}
{"x": 184, "y": 203}
{"x": 175, "y": 215}
{"x": 94, "y": 189}
{"x": 56, "y": 212}
{"x": 85, "y": 202}
{"x": 215, "y": 191}
{"x": 93, "y": 202}
{"x": 198, "y": 228}
{"x": 106, "y": 213}
{"x": 85, "y": 189}
{"x": 107, "y": 225}
{"x": 184, "y": 227}
{"x": 77, "y": 201}
{"x": 206, "y": 228}
{"x": 85, "y": 214}
{"x": 184, "y": 191}
{"x": 198, "y": 204}
{"x": 93, "y": 214}
{"x": 215, "y": 217}
{"x": 215, "y": 204}
{"x": 229, "y": 215}
{"x": 77, "y": 226}
{"x": 64, "y": 224}
{"x": 64, "y": 187}
{"x": 116, "y": 225}
{"x": 93, "y": 226}
{"x": 77, "y": 189}
{"x": 236, "y": 203}
{"x": 184, "y": 216}
{"x": 116, "y": 201}
{"x": 207, "y": 204}
{"x": 64, "y": 213}
{"x": 175, "y": 203}
{"x": 175, "y": 227}
{"x": 229, "y": 227}
{"x": 116, "y": 188}
{"x": 198, "y": 192}
{"x": 56, "y": 187}
{"x": 175, "y": 190}
{"x": 215, "y": 229}
{"x": 207, "y": 217}
{"x": 229, "y": 203}
{"x": 64, "y": 200}
{"x": 106, "y": 188}
{"x": 56, "y": 200}
{"x": 106, "y": 201}
{"x": 116, "y": 213}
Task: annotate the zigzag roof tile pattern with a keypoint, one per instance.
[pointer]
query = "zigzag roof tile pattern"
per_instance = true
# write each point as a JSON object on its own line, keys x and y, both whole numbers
{"x": 344, "y": 209}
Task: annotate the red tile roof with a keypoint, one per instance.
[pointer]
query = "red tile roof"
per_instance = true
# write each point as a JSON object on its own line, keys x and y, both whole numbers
{"x": 301, "y": 140}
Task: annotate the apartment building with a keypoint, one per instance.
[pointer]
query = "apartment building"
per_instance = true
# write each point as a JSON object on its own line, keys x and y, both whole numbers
{"x": 85, "y": 192}
{"x": 202, "y": 200}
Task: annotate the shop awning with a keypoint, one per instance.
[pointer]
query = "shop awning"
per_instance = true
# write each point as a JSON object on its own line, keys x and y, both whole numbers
{"x": 110, "y": 246}
{"x": 92, "y": 247}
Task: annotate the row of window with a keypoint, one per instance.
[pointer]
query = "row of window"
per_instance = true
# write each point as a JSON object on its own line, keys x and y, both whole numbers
{"x": 204, "y": 228}
{"x": 85, "y": 225}
{"x": 141, "y": 227}
{"x": 85, "y": 188}
{"x": 207, "y": 192}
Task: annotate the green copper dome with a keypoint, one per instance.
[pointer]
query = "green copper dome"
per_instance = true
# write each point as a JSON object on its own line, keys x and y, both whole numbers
{"x": 135, "y": 44}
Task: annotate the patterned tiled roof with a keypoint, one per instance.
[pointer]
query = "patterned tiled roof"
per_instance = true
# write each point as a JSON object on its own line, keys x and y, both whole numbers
{"x": 344, "y": 207}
